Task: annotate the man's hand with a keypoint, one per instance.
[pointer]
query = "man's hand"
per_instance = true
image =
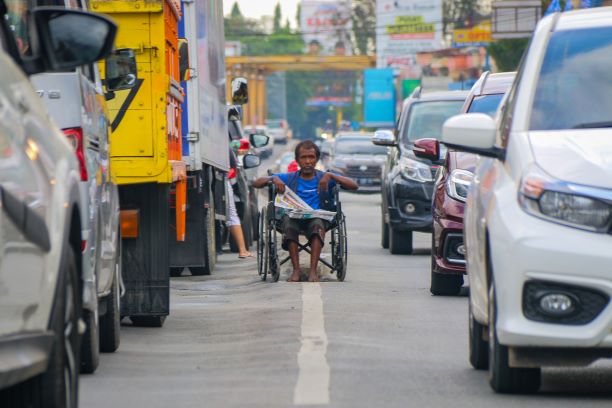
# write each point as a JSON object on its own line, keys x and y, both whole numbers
{"x": 324, "y": 182}
{"x": 278, "y": 183}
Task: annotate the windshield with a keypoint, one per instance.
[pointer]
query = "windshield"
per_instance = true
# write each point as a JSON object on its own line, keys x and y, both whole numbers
{"x": 426, "y": 119}
{"x": 362, "y": 145}
{"x": 574, "y": 89}
{"x": 487, "y": 104}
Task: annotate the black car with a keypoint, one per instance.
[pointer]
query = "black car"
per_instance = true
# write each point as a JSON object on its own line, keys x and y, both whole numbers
{"x": 408, "y": 184}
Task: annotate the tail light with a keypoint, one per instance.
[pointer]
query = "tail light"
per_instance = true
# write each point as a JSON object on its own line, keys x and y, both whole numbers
{"x": 75, "y": 137}
{"x": 231, "y": 174}
{"x": 244, "y": 146}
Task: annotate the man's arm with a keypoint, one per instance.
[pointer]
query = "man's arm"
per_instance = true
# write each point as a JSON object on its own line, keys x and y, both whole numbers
{"x": 345, "y": 182}
{"x": 264, "y": 181}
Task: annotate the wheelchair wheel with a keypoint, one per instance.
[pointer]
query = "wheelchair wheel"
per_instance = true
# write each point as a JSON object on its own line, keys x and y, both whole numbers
{"x": 339, "y": 249}
{"x": 262, "y": 249}
{"x": 273, "y": 262}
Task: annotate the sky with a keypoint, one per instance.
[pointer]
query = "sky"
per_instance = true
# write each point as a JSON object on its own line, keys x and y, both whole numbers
{"x": 258, "y": 8}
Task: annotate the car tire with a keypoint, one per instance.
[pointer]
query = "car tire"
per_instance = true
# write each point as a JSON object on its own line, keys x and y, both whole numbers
{"x": 60, "y": 382}
{"x": 110, "y": 323}
{"x": 502, "y": 377}
{"x": 90, "y": 344}
{"x": 148, "y": 321}
{"x": 479, "y": 348}
{"x": 384, "y": 233}
{"x": 176, "y": 271}
{"x": 247, "y": 229}
{"x": 400, "y": 242}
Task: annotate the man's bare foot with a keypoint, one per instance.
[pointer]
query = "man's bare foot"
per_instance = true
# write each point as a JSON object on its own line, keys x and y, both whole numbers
{"x": 295, "y": 276}
{"x": 313, "y": 278}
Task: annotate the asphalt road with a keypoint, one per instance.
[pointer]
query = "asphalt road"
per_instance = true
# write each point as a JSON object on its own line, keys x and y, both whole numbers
{"x": 379, "y": 339}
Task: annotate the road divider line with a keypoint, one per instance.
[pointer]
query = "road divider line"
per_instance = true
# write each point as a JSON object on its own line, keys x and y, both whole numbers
{"x": 312, "y": 387}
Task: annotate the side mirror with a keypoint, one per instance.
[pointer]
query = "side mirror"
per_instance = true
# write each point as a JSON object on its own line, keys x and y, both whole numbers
{"x": 384, "y": 138}
{"x": 70, "y": 38}
{"x": 120, "y": 70}
{"x": 250, "y": 161}
{"x": 427, "y": 149}
{"x": 234, "y": 113}
{"x": 472, "y": 133}
{"x": 183, "y": 59}
{"x": 258, "y": 140}
{"x": 240, "y": 91}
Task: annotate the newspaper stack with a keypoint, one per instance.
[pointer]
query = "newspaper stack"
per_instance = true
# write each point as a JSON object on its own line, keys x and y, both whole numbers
{"x": 289, "y": 203}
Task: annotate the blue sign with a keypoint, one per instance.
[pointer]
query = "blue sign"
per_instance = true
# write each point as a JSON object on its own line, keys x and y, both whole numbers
{"x": 379, "y": 101}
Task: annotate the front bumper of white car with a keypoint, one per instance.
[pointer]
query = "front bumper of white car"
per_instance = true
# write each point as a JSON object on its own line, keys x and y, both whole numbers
{"x": 534, "y": 258}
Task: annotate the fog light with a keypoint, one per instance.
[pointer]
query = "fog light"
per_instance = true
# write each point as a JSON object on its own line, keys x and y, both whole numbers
{"x": 557, "y": 304}
{"x": 461, "y": 249}
{"x": 410, "y": 208}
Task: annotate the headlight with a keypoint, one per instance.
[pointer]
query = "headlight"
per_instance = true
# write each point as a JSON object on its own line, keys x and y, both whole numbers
{"x": 547, "y": 198}
{"x": 415, "y": 170}
{"x": 458, "y": 184}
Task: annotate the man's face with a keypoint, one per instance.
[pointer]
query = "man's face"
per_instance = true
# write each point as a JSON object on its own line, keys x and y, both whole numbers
{"x": 307, "y": 159}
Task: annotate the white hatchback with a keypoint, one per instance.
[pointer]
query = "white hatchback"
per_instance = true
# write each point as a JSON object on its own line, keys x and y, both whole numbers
{"x": 539, "y": 212}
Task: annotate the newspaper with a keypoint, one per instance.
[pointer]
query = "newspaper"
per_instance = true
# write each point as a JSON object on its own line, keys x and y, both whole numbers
{"x": 289, "y": 203}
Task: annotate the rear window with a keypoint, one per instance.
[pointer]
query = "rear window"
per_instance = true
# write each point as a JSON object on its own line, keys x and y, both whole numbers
{"x": 361, "y": 145}
{"x": 425, "y": 119}
{"x": 486, "y": 104}
{"x": 574, "y": 88}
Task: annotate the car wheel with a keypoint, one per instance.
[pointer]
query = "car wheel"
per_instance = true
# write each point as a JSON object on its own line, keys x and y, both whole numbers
{"x": 176, "y": 271}
{"x": 384, "y": 234}
{"x": 502, "y": 377}
{"x": 90, "y": 343}
{"x": 479, "y": 347}
{"x": 110, "y": 322}
{"x": 60, "y": 381}
{"x": 444, "y": 284}
{"x": 400, "y": 242}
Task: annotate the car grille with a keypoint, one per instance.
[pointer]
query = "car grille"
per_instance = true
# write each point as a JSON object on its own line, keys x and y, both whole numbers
{"x": 363, "y": 171}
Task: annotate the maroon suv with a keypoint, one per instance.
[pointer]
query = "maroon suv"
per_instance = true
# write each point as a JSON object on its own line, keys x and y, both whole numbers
{"x": 451, "y": 188}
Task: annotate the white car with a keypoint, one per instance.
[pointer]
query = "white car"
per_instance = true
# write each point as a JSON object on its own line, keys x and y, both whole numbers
{"x": 42, "y": 278}
{"x": 539, "y": 211}
{"x": 278, "y": 129}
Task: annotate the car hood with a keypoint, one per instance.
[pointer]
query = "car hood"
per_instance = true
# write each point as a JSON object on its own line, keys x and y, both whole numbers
{"x": 357, "y": 159}
{"x": 576, "y": 156}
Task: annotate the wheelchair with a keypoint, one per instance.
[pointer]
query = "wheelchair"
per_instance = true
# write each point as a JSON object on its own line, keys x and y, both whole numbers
{"x": 270, "y": 235}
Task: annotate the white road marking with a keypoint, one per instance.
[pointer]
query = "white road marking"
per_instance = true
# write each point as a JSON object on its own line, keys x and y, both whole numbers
{"x": 312, "y": 386}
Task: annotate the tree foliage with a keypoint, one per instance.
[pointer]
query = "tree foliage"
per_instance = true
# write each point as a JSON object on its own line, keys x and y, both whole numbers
{"x": 364, "y": 26}
{"x": 277, "y": 18}
{"x": 508, "y": 53}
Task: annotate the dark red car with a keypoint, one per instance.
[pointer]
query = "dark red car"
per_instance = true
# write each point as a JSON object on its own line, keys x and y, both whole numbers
{"x": 451, "y": 188}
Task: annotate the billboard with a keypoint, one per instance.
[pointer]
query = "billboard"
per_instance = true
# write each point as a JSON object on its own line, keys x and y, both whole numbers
{"x": 405, "y": 27}
{"x": 379, "y": 103}
{"x": 326, "y": 27}
{"x": 477, "y": 36}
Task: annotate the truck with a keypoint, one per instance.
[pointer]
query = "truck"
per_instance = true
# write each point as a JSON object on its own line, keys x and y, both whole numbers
{"x": 169, "y": 146}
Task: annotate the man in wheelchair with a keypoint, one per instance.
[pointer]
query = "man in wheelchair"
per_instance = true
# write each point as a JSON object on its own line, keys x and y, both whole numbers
{"x": 314, "y": 187}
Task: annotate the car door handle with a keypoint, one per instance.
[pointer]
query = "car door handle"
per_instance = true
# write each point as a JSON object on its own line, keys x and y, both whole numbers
{"x": 31, "y": 225}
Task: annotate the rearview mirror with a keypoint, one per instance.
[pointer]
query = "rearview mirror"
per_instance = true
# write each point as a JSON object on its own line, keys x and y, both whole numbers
{"x": 250, "y": 161}
{"x": 384, "y": 138}
{"x": 472, "y": 133}
{"x": 258, "y": 140}
{"x": 240, "y": 91}
{"x": 120, "y": 70}
{"x": 70, "y": 38}
{"x": 427, "y": 149}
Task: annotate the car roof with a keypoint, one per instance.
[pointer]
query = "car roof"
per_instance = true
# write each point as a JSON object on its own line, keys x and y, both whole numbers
{"x": 436, "y": 96}
{"x": 584, "y": 18}
{"x": 489, "y": 83}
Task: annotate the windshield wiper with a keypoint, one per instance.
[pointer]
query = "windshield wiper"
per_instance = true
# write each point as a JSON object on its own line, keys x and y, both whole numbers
{"x": 593, "y": 125}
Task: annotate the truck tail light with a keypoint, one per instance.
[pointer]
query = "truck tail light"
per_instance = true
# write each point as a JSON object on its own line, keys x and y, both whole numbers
{"x": 232, "y": 173}
{"x": 244, "y": 146}
{"x": 75, "y": 137}
{"x": 129, "y": 223}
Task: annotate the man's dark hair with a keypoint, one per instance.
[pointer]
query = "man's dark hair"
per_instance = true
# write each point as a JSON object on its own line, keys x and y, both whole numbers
{"x": 307, "y": 144}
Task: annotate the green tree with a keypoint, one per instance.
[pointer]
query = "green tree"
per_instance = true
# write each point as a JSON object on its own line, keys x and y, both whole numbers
{"x": 298, "y": 15}
{"x": 277, "y": 18}
{"x": 508, "y": 53}
{"x": 364, "y": 26}
{"x": 236, "y": 13}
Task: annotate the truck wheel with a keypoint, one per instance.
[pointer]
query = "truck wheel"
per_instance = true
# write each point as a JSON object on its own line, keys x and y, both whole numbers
{"x": 400, "y": 242}
{"x": 175, "y": 272}
{"x": 60, "y": 383}
{"x": 247, "y": 229}
{"x": 90, "y": 346}
{"x": 384, "y": 235}
{"x": 502, "y": 377}
{"x": 210, "y": 247}
{"x": 148, "y": 321}
{"x": 479, "y": 348}
{"x": 110, "y": 322}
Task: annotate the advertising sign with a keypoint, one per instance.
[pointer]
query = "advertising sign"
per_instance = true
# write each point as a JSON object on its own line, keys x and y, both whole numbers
{"x": 379, "y": 104}
{"x": 405, "y": 27}
{"x": 335, "y": 89}
{"x": 477, "y": 36}
{"x": 326, "y": 27}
